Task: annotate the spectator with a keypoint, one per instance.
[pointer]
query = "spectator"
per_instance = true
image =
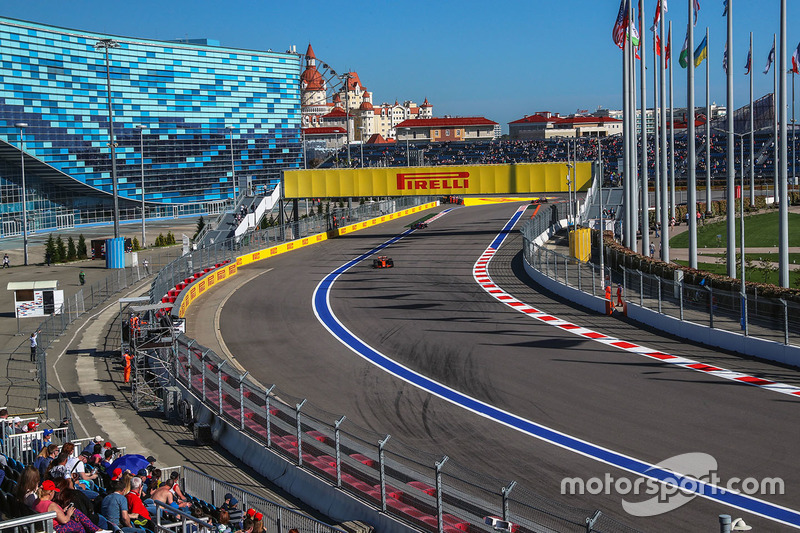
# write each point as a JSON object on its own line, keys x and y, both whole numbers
{"x": 106, "y": 462}
{"x": 247, "y": 526}
{"x": 47, "y": 439}
{"x": 34, "y": 338}
{"x": 45, "y": 457}
{"x": 223, "y": 521}
{"x": 164, "y": 494}
{"x": 69, "y": 495}
{"x": 6, "y": 262}
{"x": 234, "y": 512}
{"x": 174, "y": 486}
{"x": 26, "y": 486}
{"x": 89, "y": 448}
{"x": 70, "y": 520}
{"x": 155, "y": 479}
{"x": 138, "y": 513}
{"x": 258, "y": 523}
{"x": 115, "y": 508}
{"x": 152, "y": 461}
{"x": 30, "y": 427}
{"x": 58, "y": 467}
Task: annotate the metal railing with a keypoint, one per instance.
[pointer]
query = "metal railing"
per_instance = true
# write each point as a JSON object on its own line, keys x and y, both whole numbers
{"x": 428, "y": 491}
{"x": 277, "y": 518}
{"x": 750, "y": 314}
{"x": 40, "y": 523}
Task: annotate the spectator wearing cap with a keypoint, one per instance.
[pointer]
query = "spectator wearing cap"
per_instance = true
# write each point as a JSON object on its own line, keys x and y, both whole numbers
{"x": 14, "y": 427}
{"x": 30, "y": 427}
{"x": 115, "y": 507}
{"x": 90, "y": 446}
{"x": 69, "y": 521}
{"x": 38, "y": 445}
{"x": 258, "y": 523}
{"x": 152, "y": 461}
{"x": 234, "y": 513}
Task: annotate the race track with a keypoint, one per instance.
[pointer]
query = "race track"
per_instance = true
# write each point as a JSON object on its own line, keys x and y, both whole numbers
{"x": 429, "y": 314}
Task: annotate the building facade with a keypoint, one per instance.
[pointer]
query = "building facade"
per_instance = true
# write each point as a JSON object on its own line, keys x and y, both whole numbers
{"x": 186, "y": 117}
{"x": 546, "y": 125}
{"x": 446, "y": 129}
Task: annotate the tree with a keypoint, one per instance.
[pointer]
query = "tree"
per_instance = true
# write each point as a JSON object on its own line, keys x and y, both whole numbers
{"x": 72, "y": 253}
{"x": 135, "y": 246}
{"x": 61, "y": 251}
{"x": 201, "y": 223}
{"x": 766, "y": 268}
{"x": 50, "y": 249}
{"x": 160, "y": 240}
{"x": 82, "y": 254}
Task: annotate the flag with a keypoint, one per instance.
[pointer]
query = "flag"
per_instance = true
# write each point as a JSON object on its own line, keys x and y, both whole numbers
{"x": 701, "y": 53}
{"x": 658, "y": 45}
{"x": 696, "y": 8}
{"x": 725, "y": 5}
{"x": 667, "y": 48}
{"x": 749, "y": 64}
{"x": 770, "y": 58}
{"x": 658, "y": 14}
{"x": 796, "y": 60}
{"x": 682, "y": 59}
{"x": 725, "y": 58}
{"x": 621, "y": 25}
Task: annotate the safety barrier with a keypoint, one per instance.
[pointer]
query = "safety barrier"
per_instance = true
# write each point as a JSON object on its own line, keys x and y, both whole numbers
{"x": 39, "y": 523}
{"x": 745, "y": 323}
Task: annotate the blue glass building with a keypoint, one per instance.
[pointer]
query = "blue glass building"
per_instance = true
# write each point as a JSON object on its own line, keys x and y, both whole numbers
{"x": 196, "y": 108}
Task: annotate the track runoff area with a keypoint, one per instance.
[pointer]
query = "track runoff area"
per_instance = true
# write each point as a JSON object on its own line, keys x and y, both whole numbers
{"x": 656, "y": 473}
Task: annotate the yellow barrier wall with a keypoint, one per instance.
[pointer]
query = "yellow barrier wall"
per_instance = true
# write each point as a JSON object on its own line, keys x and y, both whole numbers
{"x": 228, "y": 271}
{"x": 580, "y": 244}
{"x": 425, "y": 181}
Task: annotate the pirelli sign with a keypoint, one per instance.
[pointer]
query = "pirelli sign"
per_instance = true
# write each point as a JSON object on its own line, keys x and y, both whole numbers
{"x": 530, "y": 178}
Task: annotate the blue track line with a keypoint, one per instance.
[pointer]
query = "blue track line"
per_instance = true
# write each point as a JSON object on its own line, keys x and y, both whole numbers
{"x": 324, "y": 313}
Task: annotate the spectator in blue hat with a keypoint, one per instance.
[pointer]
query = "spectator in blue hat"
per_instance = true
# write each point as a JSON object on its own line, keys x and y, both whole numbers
{"x": 234, "y": 513}
{"x": 37, "y": 445}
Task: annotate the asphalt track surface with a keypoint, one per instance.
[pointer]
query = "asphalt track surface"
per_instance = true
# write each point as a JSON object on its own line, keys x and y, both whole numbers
{"x": 430, "y": 315}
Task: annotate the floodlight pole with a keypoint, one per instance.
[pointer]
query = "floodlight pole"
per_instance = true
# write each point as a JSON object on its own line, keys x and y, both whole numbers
{"x": 783, "y": 207}
{"x": 105, "y": 44}
{"x": 22, "y": 126}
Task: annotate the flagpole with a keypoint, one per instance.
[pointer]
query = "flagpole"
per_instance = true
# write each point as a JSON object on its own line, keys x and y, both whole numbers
{"x": 634, "y": 155}
{"x": 775, "y": 124}
{"x": 664, "y": 182}
{"x": 644, "y": 180}
{"x": 783, "y": 208}
{"x": 656, "y": 147}
{"x": 708, "y": 124}
{"x": 752, "y": 134}
{"x": 673, "y": 210}
{"x": 691, "y": 186}
{"x": 626, "y": 137}
{"x": 730, "y": 205}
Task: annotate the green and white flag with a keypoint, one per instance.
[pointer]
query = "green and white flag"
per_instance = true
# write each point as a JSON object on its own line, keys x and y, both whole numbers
{"x": 683, "y": 59}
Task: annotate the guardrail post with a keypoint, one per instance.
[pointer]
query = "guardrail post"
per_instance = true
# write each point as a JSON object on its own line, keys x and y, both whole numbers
{"x": 659, "y": 294}
{"x": 590, "y": 521}
{"x": 641, "y": 289}
{"x": 580, "y": 288}
{"x": 594, "y": 283}
{"x": 381, "y": 445}
{"x": 219, "y": 385}
{"x": 785, "y": 321}
{"x": 711, "y": 307}
{"x": 299, "y": 433}
{"x": 566, "y": 272}
{"x": 203, "y": 375}
{"x": 267, "y": 414}
{"x": 336, "y": 444}
{"x": 506, "y": 491}
{"x": 745, "y": 324}
{"x": 439, "y": 522}
{"x": 241, "y": 400}
{"x": 680, "y": 297}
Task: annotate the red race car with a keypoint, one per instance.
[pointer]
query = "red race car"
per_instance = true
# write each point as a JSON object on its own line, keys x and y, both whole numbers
{"x": 382, "y": 262}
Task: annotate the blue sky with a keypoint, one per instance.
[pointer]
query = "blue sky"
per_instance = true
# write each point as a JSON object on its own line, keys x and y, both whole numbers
{"x": 501, "y": 59}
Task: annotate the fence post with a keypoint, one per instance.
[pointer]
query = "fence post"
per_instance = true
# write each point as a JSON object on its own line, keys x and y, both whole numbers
{"x": 241, "y": 400}
{"x": 659, "y": 294}
{"x": 336, "y": 444}
{"x": 219, "y": 385}
{"x": 299, "y": 433}
{"x": 381, "y": 463}
{"x": 594, "y": 285}
{"x": 566, "y": 272}
{"x": 506, "y": 491}
{"x": 580, "y": 288}
{"x": 267, "y": 414}
{"x": 641, "y": 288}
{"x": 203, "y": 374}
{"x": 745, "y": 324}
{"x": 439, "y": 465}
{"x": 785, "y": 321}
{"x": 711, "y": 306}
{"x": 680, "y": 297}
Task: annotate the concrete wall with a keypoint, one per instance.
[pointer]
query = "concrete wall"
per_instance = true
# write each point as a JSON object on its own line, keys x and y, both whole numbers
{"x": 301, "y": 484}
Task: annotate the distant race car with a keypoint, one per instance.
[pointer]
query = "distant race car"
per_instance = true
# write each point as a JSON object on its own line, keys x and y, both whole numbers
{"x": 382, "y": 262}
{"x": 419, "y": 225}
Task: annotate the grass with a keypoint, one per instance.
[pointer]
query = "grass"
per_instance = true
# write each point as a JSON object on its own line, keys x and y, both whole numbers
{"x": 794, "y": 258}
{"x": 752, "y": 274}
{"x": 759, "y": 230}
